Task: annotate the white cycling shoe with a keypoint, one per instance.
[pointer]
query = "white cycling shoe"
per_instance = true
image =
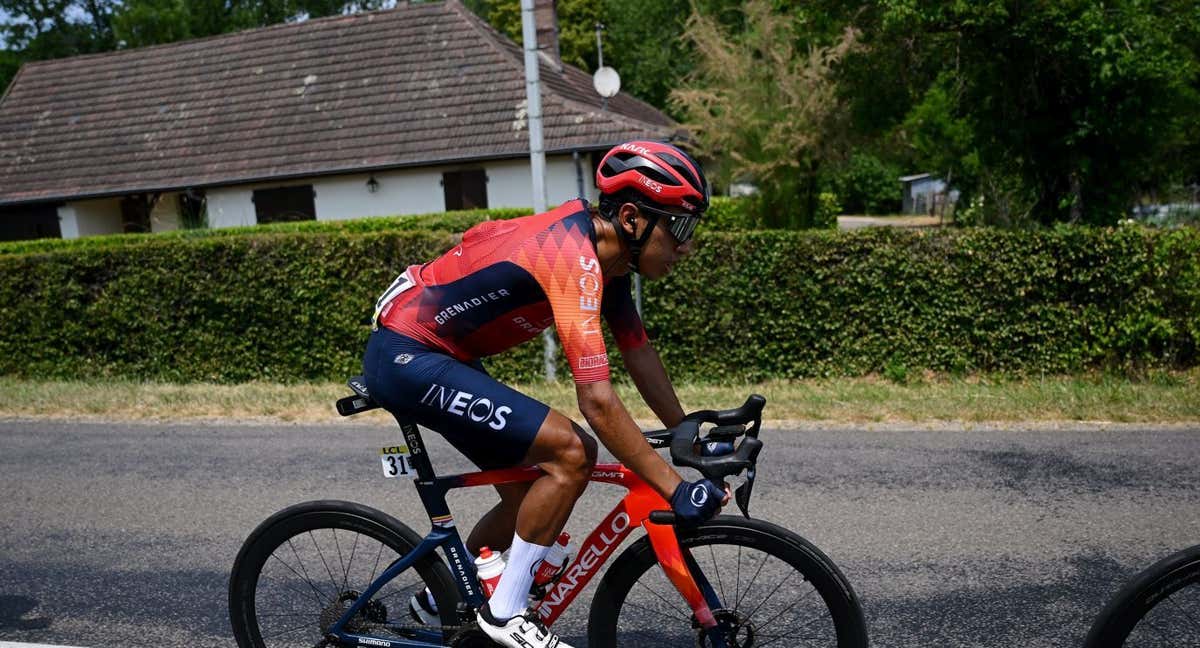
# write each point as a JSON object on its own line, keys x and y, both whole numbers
{"x": 524, "y": 631}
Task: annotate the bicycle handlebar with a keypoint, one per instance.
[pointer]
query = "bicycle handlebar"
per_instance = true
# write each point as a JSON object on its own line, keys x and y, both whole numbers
{"x": 732, "y": 423}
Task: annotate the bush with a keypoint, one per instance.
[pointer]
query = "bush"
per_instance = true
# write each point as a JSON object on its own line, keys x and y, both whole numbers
{"x": 727, "y": 214}
{"x": 286, "y": 306}
{"x": 867, "y": 185}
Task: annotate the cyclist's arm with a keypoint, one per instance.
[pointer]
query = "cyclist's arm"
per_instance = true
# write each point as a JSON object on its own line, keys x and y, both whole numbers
{"x": 653, "y": 384}
{"x": 606, "y": 414}
{"x": 641, "y": 360}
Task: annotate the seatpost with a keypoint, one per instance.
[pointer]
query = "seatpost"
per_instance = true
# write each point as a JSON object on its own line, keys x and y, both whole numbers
{"x": 418, "y": 457}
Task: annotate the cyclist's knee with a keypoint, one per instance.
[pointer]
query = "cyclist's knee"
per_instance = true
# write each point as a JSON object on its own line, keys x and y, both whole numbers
{"x": 564, "y": 450}
{"x": 590, "y": 449}
{"x": 577, "y": 455}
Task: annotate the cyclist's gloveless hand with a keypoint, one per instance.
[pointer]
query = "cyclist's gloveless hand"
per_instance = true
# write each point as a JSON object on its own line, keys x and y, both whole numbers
{"x": 695, "y": 502}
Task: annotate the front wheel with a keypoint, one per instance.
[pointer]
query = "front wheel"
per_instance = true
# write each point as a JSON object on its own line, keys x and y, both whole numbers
{"x": 1159, "y": 607}
{"x": 776, "y": 589}
{"x": 302, "y": 568}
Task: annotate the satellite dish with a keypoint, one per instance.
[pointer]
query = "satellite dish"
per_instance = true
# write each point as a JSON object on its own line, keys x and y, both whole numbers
{"x": 607, "y": 82}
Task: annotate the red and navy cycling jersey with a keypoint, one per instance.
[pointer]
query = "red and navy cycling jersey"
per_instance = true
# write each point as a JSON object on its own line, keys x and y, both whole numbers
{"x": 507, "y": 282}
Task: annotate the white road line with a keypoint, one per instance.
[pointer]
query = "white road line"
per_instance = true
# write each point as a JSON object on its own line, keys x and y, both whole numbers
{"x": 8, "y": 644}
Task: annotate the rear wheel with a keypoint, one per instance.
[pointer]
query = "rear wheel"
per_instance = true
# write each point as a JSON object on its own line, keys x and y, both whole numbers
{"x": 302, "y": 568}
{"x": 776, "y": 589}
{"x": 1159, "y": 607}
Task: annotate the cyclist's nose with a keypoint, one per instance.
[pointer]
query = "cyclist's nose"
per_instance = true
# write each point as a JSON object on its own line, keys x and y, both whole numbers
{"x": 684, "y": 249}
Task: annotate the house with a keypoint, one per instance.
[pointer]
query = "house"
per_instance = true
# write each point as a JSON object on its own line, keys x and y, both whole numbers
{"x": 410, "y": 110}
{"x": 925, "y": 193}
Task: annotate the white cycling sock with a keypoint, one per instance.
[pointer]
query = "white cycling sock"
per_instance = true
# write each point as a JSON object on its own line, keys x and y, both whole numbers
{"x": 512, "y": 593}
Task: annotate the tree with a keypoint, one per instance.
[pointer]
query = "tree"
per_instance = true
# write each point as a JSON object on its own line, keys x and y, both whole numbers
{"x": 576, "y": 26}
{"x": 1073, "y": 104}
{"x": 767, "y": 109}
{"x": 42, "y": 29}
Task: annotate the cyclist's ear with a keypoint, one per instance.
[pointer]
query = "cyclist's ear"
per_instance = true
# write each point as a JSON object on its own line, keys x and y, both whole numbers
{"x": 628, "y": 217}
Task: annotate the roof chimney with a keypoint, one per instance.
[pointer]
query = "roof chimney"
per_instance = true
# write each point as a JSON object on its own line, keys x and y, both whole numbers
{"x": 545, "y": 17}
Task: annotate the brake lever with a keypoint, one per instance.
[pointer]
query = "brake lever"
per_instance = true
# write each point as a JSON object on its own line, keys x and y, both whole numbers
{"x": 742, "y": 494}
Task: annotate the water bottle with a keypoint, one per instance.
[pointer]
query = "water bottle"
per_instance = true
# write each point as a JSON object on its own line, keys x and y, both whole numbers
{"x": 716, "y": 448}
{"x": 555, "y": 559}
{"x": 489, "y": 566}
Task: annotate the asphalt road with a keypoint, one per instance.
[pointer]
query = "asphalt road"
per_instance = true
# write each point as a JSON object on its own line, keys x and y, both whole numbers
{"x": 117, "y": 535}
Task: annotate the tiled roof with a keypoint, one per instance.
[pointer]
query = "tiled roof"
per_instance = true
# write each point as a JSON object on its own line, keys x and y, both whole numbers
{"x": 419, "y": 84}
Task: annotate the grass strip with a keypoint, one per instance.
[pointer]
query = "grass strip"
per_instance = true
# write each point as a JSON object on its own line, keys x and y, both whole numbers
{"x": 1159, "y": 398}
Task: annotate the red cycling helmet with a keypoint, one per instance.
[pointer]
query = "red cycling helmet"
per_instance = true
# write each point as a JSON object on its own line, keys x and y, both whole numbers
{"x": 661, "y": 173}
{"x": 656, "y": 177}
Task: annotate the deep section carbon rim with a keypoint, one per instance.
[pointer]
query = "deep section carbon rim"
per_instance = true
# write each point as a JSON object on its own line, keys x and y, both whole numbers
{"x": 774, "y": 592}
{"x": 305, "y": 571}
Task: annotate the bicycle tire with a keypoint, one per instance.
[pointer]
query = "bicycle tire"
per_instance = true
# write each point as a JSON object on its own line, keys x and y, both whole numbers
{"x": 845, "y": 628}
{"x": 1136, "y": 605}
{"x": 326, "y": 518}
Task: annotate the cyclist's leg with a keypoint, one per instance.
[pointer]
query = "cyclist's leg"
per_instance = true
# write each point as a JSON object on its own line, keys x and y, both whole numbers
{"x": 492, "y": 424}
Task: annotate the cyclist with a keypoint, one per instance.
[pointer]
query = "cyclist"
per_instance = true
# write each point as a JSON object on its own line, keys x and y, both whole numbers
{"x": 504, "y": 283}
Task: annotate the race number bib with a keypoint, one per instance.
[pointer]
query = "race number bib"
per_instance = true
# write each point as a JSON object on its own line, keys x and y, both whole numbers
{"x": 396, "y": 461}
{"x": 401, "y": 284}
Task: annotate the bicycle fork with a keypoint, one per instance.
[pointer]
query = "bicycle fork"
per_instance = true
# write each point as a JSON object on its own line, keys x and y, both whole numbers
{"x": 688, "y": 579}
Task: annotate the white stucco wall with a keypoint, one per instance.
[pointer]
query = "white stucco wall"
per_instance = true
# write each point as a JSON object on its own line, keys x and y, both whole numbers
{"x": 232, "y": 206}
{"x": 510, "y": 182}
{"x": 103, "y": 216}
{"x": 419, "y": 191}
{"x": 401, "y": 192}
{"x": 90, "y": 217}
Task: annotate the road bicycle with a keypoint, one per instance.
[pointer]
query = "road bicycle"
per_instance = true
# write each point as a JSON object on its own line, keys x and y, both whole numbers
{"x": 339, "y": 574}
{"x": 1158, "y": 607}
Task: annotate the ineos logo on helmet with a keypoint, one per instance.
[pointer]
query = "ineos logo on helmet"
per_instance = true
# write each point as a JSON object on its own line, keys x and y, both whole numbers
{"x": 654, "y": 186}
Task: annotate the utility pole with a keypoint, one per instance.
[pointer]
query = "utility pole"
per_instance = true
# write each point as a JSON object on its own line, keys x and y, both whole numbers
{"x": 537, "y": 151}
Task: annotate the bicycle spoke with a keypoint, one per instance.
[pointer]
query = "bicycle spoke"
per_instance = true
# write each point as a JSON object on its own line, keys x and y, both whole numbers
{"x": 320, "y": 596}
{"x": 780, "y": 637}
{"x": 737, "y": 581}
{"x": 345, "y": 570}
{"x": 659, "y": 612}
{"x": 663, "y": 599}
{"x": 332, "y": 580}
{"x": 717, "y": 569}
{"x": 376, "y": 566}
{"x": 388, "y": 596}
{"x": 762, "y": 563}
{"x": 284, "y": 614}
{"x": 350, "y": 563}
{"x": 302, "y": 626}
{"x": 802, "y": 626}
{"x": 764, "y": 601}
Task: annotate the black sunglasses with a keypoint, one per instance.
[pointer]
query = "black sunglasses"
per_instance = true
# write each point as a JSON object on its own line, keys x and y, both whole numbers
{"x": 681, "y": 226}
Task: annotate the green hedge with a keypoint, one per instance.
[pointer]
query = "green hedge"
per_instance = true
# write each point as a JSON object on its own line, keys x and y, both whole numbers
{"x": 748, "y": 305}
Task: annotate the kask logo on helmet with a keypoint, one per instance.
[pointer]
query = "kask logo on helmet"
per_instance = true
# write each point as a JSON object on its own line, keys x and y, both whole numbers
{"x": 634, "y": 148}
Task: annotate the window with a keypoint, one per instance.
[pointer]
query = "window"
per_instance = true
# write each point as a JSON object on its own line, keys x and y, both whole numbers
{"x": 29, "y": 222}
{"x": 466, "y": 189}
{"x": 285, "y": 204}
{"x": 135, "y": 213}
